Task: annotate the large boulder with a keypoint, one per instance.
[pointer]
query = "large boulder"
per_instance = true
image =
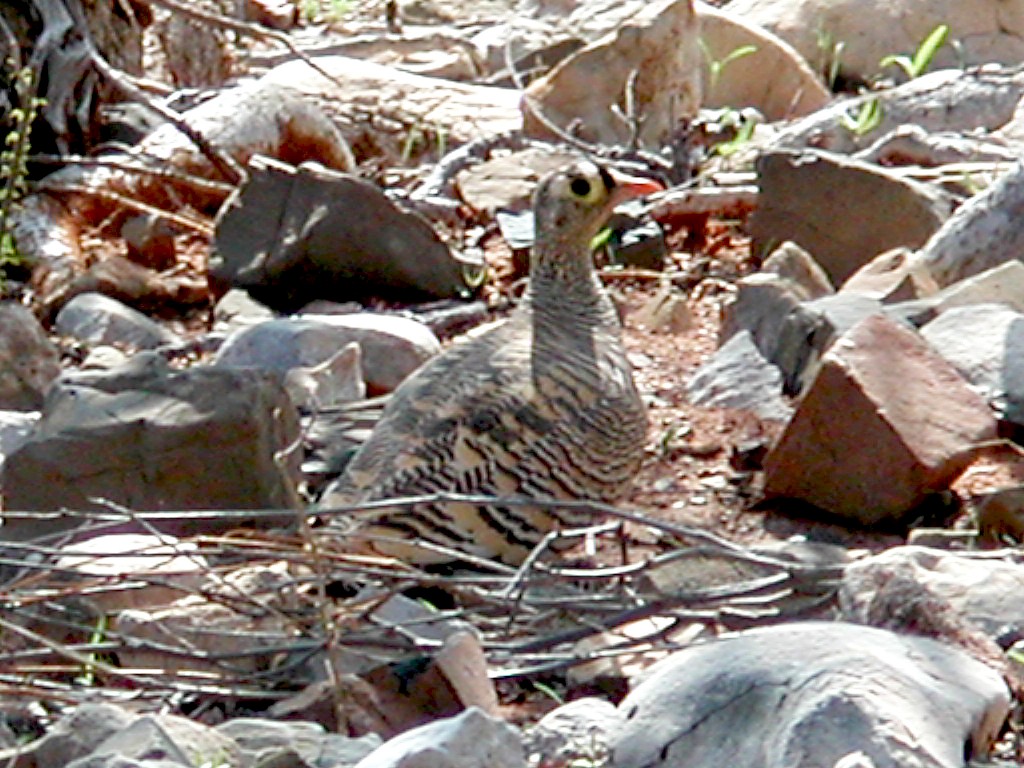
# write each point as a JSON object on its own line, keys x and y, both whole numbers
{"x": 148, "y": 437}
{"x": 812, "y": 694}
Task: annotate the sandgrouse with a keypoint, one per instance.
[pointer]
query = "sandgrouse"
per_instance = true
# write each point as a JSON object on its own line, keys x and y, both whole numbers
{"x": 541, "y": 407}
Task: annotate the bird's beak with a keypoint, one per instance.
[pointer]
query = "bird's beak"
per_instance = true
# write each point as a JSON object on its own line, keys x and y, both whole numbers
{"x": 628, "y": 187}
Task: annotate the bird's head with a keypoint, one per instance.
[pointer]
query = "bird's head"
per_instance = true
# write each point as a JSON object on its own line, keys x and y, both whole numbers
{"x": 571, "y": 205}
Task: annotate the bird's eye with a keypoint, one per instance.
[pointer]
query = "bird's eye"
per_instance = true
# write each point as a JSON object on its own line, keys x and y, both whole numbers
{"x": 580, "y": 187}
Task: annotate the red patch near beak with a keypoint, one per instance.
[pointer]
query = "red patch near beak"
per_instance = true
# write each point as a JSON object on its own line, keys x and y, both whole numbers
{"x": 628, "y": 187}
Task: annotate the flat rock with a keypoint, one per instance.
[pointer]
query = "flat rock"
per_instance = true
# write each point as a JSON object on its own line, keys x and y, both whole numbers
{"x": 975, "y": 100}
{"x": 237, "y": 309}
{"x": 148, "y": 437}
{"x": 392, "y": 347}
{"x": 800, "y": 193}
{"x": 738, "y": 376}
{"x": 401, "y": 102}
{"x": 29, "y": 362}
{"x": 167, "y": 568}
{"x": 975, "y": 585}
{"x": 655, "y": 53}
{"x": 982, "y": 234}
{"x": 168, "y": 738}
{"x": 289, "y": 236}
{"x": 506, "y": 183}
{"x": 97, "y": 319}
{"x": 981, "y": 340}
{"x": 472, "y": 739}
{"x": 812, "y": 694}
{"x": 880, "y": 385}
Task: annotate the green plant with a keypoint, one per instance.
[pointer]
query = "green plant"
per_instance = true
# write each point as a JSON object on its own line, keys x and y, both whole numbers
{"x": 743, "y": 124}
{"x": 13, "y": 160}
{"x": 309, "y": 9}
{"x": 832, "y": 52}
{"x": 716, "y": 66}
{"x": 869, "y": 116}
{"x": 916, "y": 65}
{"x": 338, "y": 9}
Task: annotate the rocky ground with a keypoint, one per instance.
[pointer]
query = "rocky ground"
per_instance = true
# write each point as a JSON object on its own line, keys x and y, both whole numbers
{"x": 840, "y": 538}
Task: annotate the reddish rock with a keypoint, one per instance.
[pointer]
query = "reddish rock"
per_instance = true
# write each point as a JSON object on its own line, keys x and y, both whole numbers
{"x": 885, "y": 422}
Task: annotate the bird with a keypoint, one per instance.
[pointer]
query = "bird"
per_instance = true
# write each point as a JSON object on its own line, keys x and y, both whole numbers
{"x": 541, "y": 407}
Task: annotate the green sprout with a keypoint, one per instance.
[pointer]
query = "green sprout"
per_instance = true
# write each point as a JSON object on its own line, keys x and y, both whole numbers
{"x": 916, "y": 65}
{"x": 13, "y": 162}
{"x": 717, "y": 66}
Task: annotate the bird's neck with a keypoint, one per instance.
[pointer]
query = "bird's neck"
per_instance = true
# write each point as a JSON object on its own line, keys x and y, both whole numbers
{"x": 563, "y": 282}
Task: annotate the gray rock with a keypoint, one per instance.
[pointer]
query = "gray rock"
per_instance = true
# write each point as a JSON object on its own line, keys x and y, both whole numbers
{"x": 97, "y": 319}
{"x": 337, "y": 380}
{"x": 975, "y": 585}
{"x": 77, "y": 734}
{"x": 1003, "y": 284}
{"x": 15, "y": 427}
{"x": 29, "y": 362}
{"x": 811, "y": 694}
{"x": 290, "y": 236}
{"x": 237, "y": 309}
{"x": 472, "y": 739}
{"x": 261, "y": 740}
{"x": 809, "y": 330}
{"x": 982, "y": 234}
{"x": 981, "y": 340}
{"x": 760, "y": 305}
{"x": 152, "y": 438}
{"x": 212, "y": 623}
{"x": 801, "y": 193}
{"x": 575, "y": 731}
{"x": 392, "y": 347}
{"x": 738, "y": 376}
{"x": 104, "y": 358}
{"x": 165, "y": 739}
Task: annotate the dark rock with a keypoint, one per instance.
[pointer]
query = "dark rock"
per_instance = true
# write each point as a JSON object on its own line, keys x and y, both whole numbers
{"x": 290, "y": 236}
{"x": 150, "y": 241}
{"x": 148, "y": 437}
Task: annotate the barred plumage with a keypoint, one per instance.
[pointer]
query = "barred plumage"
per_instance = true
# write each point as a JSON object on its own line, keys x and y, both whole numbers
{"x": 543, "y": 406}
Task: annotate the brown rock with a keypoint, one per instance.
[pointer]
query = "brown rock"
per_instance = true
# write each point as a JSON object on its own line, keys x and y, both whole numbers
{"x": 885, "y": 422}
{"x": 793, "y": 90}
{"x": 892, "y": 276}
{"x": 655, "y": 54}
{"x": 822, "y": 200}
